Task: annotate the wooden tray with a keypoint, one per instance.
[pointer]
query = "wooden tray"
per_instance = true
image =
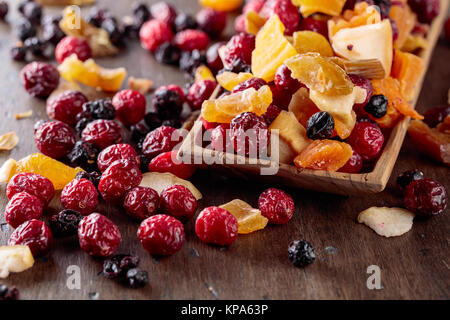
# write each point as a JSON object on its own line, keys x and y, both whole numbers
{"x": 324, "y": 181}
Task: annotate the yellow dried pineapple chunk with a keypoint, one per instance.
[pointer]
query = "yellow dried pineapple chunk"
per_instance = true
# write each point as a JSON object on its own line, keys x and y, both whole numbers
{"x": 249, "y": 219}
{"x": 330, "y": 7}
{"x": 229, "y": 80}
{"x": 310, "y": 41}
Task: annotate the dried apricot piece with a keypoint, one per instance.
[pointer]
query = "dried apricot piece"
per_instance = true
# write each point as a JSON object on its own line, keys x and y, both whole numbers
{"x": 249, "y": 219}
{"x": 330, "y": 7}
{"x": 222, "y": 5}
{"x": 310, "y": 41}
{"x": 407, "y": 69}
{"x": 327, "y": 155}
{"x": 405, "y": 20}
{"x": 229, "y": 80}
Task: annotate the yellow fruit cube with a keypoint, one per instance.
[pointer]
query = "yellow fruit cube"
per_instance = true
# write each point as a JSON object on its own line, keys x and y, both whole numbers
{"x": 330, "y": 7}
{"x": 249, "y": 219}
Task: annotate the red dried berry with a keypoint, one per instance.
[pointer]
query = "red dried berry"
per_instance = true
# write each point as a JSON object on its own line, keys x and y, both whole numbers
{"x": 208, "y": 125}
{"x": 213, "y": 58}
{"x": 367, "y": 140}
{"x": 102, "y": 133}
{"x": 216, "y": 226}
{"x": 98, "y": 236}
{"x": 365, "y": 84}
{"x": 120, "y": 177}
{"x": 211, "y": 21}
{"x": 311, "y": 24}
{"x": 172, "y": 87}
{"x": 199, "y": 92}
{"x": 253, "y": 5}
{"x": 276, "y": 205}
{"x": 80, "y": 195}
{"x": 282, "y": 98}
{"x": 163, "y": 11}
{"x": 178, "y": 201}
{"x": 153, "y": 33}
{"x": 284, "y": 80}
{"x": 130, "y": 106}
{"x": 353, "y": 165}
{"x": 220, "y": 139}
{"x": 240, "y": 23}
{"x": 35, "y": 234}
{"x": 436, "y": 115}
{"x": 255, "y": 83}
{"x": 189, "y": 40}
{"x": 271, "y": 114}
{"x": 426, "y": 10}
{"x": 161, "y": 235}
{"x": 116, "y": 152}
{"x": 73, "y": 45}
{"x": 65, "y": 106}
{"x": 23, "y": 207}
{"x": 54, "y": 139}
{"x": 31, "y": 183}
{"x": 141, "y": 202}
{"x": 249, "y": 134}
{"x": 426, "y": 197}
{"x": 285, "y": 10}
{"x": 39, "y": 79}
{"x": 169, "y": 162}
{"x": 161, "y": 140}
{"x": 240, "y": 48}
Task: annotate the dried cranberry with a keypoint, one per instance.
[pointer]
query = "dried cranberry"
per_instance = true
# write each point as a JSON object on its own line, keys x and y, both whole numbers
{"x": 168, "y": 104}
{"x": 320, "y": 126}
{"x": 23, "y": 207}
{"x": 239, "y": 49}
{"x": 271, "y": 114}
{"x": 436, "y": 115}
{"x": 120, "y": 177}
{"x": 212, "y": 21}
{"x": 65, "y": 223}
{"x": 365, "y": 84}
{"x": 168, "y": 53}
{"x": 220, "y": 138}
{"x": 409, "y": 176}
{"x": 80, "y": 195}
{"x": 153, "y": 33}
{"x": 276, "y": 205}
{"x": 217, "y": 226}
{"x": 39, "y": 79}
{"x": 54, "y": 139}
{"x": 164, "y": 12}
{"x": 240, "y": 23}
{"x": 31, "y": 183}
{"x": 178, "y": 201}
{"x": 152, "y": 120}
{"x": 213, "y": 58}
{"x": 249, "y": 134}
{"x": 84, "y": 155}
{"x": 98, "y": 236}
{"x": 284, "y": 80}
{"x": 426, "y": 10}
{"x": 172, "y": 87}
{"x": 93, "y": 177}
{"x": 141, "y": 202}
{"x": 137, "y": 278}
{"x": 255, "y": 83}
{"x": 367, "y": 139}
{"x": 3, "y": 9}
{"x": 65, "y": 106}
{"x": 208, "y": 125}
{"x": 35, "y": 234}
{"x": 377, "y": 106}
{"x": 189, "y": 40}
{"x": 73, "y": 45}
{"x": 130, "y": 106}
{"x": 184, "y": 21}
{"x": 121, "y": 151}
{"x": 169, "y": 162}
{"x": 161, "y": 235}
{"x": 311, "y": 24}
{"x": 199, "y": 92}
{"x": 301, "y": 253}
{"x": 282, "y": 98}
{"x": 102, "y": 133}
{"x": 118, "y": 265}
{"x": 426, "y": 197}
{"x": 253, "y": 5}
{"x": 353, "y": 165}
{"x": 285, "y": 10}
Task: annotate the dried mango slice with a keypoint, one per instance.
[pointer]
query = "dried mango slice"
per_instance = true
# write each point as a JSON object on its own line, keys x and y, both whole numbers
{"x": 203, "y": 73}
{"x": 253, "y": 22}
{"x": 407, "y": 69}
{"x": 229, "y": 80}
{"x": 330, "y": 7}
{"x": 249, "y": 219}
{"x": 310, "y": 41}
{"x": 271, "y": 49}
{"x": 222, "y": 5}
{"x": 327, "y": 155}
{"x": 14, "y": 259}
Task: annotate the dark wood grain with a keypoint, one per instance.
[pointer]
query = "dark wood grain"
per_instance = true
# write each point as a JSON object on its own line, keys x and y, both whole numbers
{"x": 413, "y": 266}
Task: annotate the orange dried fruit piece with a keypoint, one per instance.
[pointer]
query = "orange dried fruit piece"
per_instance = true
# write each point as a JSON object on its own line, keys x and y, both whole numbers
{"x": 249, "y": 219}
{"x": 58, "y": 173}
{"x": 327, "y": 155}
{"x": 405, "y": 19}
{"x": 203, "y": 73}
{"x": 221, "y": 5}
{"x": 407, "y": 69}
{"x": 361, "y": 15}
{"x": 330, "y": 7}
{"x": 253, "y": 22}
{"x": 229, "y": 80}
{"x": 344, "y": 129}
{"x": 271, "y": 49}
{"x": 223, "y": 110}
{"x": 320, "y": 74}
{"x": 310, "y": 41}
{"x": 302, "y": 106}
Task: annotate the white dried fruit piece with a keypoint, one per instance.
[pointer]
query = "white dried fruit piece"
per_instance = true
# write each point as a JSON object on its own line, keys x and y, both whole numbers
{"x": 23, "y": 115}
{"x": 8, "y": 141}
{"x": 14, "y": 259}
{"x": 140, "y": 84}
{"x": 387, "y": 222}
{"x": 159, "y": 181}
{"x": 7, "y": 169}
{"x": 249, "y": 219}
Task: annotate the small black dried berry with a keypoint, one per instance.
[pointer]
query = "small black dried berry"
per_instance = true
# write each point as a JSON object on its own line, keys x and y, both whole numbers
{"x": 35, "y": 46}
{"x": 52, "y": 33}
{"x": 32, "y": 11}
{"x": 152, "y": 120}
{"x": 377, "y": 106}
{"x": 97, "y": 16}
{"x": 167, "y": 53}
{"x": 409, "y": 176}
{"x": 320, "y": 126}
{"x": 81, "y": 124}
{"x": 301, "y": 253}
{"x": 115, "y": 33}
{"x": 100, "y": 109}
{"x": 84, "y": 155}
{"x": 137, "y": 278}
{"x": 8, "y": 293}
{"x": 190, "y": 61}
{"x": 3, "y": 9}
{"x": 118, "y": 265}
{"x": 168, "y": 104}
{"x": 174, "y": 123}
{"x": 141, "y": 12}
{"x": 144, "y": 162}
{"x": 93, "y": 177}
{"x": 139, "y": 131}
{"x": 65, "y": 223}
{"x": 18, "y": 53}
{"x": 185, "y": 21}
{"x": 25, "y": 30}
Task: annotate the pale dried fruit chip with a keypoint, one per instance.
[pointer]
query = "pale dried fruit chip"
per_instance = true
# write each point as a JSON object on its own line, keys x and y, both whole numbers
{"x": 203, "y": 73}
{"x": 7, "y": 170}
{"x": 8, "y": 141}
{"x": 23, "y": 115}
{"x": 387, "y": 222}
{"x": 140, "y": 84}
{"x": 159, "y": 181}
{"x": 14, "y": 259}
{"x": 253, "y": 22}
{"x": 249, "y": 219}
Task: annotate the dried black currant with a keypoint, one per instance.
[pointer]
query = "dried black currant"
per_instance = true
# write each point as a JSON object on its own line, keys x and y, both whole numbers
{"x": 137, "y": 278}
{"x": 167, "y": 53}
{"x": 84, "y": 155}
{"x": 152, "y": 120}
{"x": 168, "y": 104}
{"x": 65, "y": 223}
{"x": 320, "y": 126}
{"x": 301, "y": 253}
{"x": 185, "y": 21}
{"x": 377, "y": 106}
{"x": 409, "y": 176}
{"x": 100, "y": 109}
{"x": 93, "y": 177}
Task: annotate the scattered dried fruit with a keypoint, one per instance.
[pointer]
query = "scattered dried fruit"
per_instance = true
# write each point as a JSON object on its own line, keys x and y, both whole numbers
{"x": 301, "y": 253}
{"x": 14, "y": 259}
{"x": 249, "y": 219}
{"x": 35, "y": 234}
{"x": 387, "y": 222}
{"x": 8, "y": 141}
{"x": 426, "y": 197}
{"x": 142, "y": 85}
{"x": 23, "y": 115}
{"x": 217, "y": 226}
{"x": 159, "y": 181}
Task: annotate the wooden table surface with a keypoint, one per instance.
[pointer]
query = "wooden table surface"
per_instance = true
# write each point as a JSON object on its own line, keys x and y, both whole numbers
{"x": 413, "y": 266}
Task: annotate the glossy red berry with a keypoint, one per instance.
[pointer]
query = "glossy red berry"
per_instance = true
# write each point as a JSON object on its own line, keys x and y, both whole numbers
{"x": 211, "y": 21}
{"x": 153, "y": 33}
{"x": 239, "y": 49}
{"x": 240, "y": 23}
{"x": 178, "y": 201}
{"x": 141, "y": 202}
{"x": 163, "y": 11}
{"x": 160, "y": 140}
{"x": 54, "y": 139}
{"x": 208, "y": 125}
{"x": 426, "y": 197}
{"x": 220, "y": 138}
{"x": 130, "y": 106}
{"x": 353, "y": 165}
{"x": 31, "y": 183}
{"x": 169, "y": 162}
{"x": 217, "y": 226}
{"x": 285, "y": 10}
{"x": 311, "y": 24}
{"x": 80, "y": 195}
{"x": 161, "y": 235}
{"x": 102, "y": 133}
{"x": 39, "y": 79}
{"x": 276, "y": 205}
{"x": 65, "y": 106}
{"x": 121, "y": 151}
{"x": 189, "y": 40}
{"x": 199, "y": 92}
{"x": 35, "y": 234}
{"x": 249, "y": 134}
{"x": 213, "y": 58}
{"x": 255, "y": 83}
{"x": 284, "y": 80}
{"x": 98, "y": 236}
{"x": 281, "y": 97}
{"x": 367, "y": 139}
{"x": 23, "y": 207}
{"x": 73, "y": 45}
{"x": 271, "y": 114}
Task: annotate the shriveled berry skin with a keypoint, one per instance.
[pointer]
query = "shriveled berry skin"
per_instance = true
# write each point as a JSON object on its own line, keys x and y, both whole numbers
{"x": 130, "y": 106}
{"x": 98, "y": 236}
{"x": 220, "y": 140}
{"x": 301, "y": 253}
{"x": 367, "y": 139}
{"x": 93, "y": 177}
{"x": 118, "y": 265}
{"x": 141, "y": 202}
{"x": 168, "y": 162}
{"x": 99, "y": 109}
{"x": 184, "y": 21}
{"x": 276, "y": 205}
{"x": 249, "y": 134}
{"x": 353, "y": 165}
{"x": 284, "y": 79}
{"x": 271, "y": 114}
{"x": 320, "y": 126}
{"x": 178, "y": 201}
{"x": 280, "y": 96}
{"x": 137, "y": 278}
{"x": 213, "y": 58}
{"x": 35, "y": 234}
{"x": 426, "y": 197}
{"x": 65, "y": 223}
{"x": 164, "y": 12}
{"x": 161, "y": 235}
{"x": 189, "y": 40}
{"x": 39, "y": 79}
{"x": 153, "y": 33}
{"x": 102, "y": 133}
{"x": 426, "y": 10}
{"x": 286, "y": 11}
{"x": 436, "y": 115}
{"x": 409, "y": 176}
{"x": 311, "y": 24}
{"x": 377, "y": 106}
{"x": 168, "y": 53}
{"x": 255, "y": 83}
{"x": 116, "y": 152}
{"x": 23, "y": 207}
{"x": 80, "y": 195}
{"x": 240, "y": 48}
{"x": 211, "y": 21}
{"x": 168, "y": 104}
{"x": 31, "y": 183}
{"x": 65, "y": 106}
{"x": 73, "y": 45}
{"x": 190, "y": 61}
{"x": 217, "y": 226}
{"x": 160, "y": 140}
{"x": 172, "y": 87}
{"x": 84, "y": 155}
{"x": 54, "y": 139}
{"x": 199, "y": 92}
